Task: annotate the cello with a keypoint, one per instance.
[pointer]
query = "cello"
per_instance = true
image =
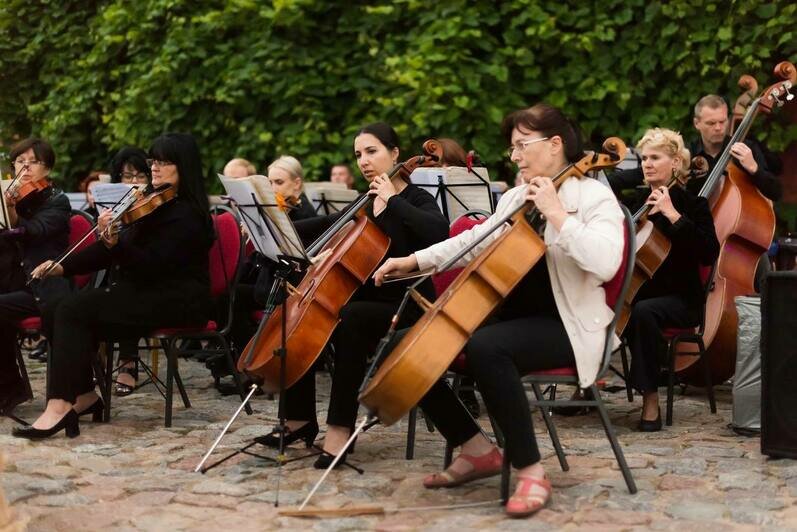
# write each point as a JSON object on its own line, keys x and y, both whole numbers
{"x": 652, "y": 246}
{"x": 431, "y": 345}
{"x": 346, "y": 255}
{"x": 745, "y": 223}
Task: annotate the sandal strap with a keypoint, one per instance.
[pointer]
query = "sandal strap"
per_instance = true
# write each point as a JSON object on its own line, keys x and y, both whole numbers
{"x": 525, "y": 484}
{"x": 480, "y": 462}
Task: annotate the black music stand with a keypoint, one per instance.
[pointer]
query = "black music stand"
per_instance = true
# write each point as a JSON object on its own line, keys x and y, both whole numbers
{"x": 287, "y": 264}
{"x": 442, "y": 191}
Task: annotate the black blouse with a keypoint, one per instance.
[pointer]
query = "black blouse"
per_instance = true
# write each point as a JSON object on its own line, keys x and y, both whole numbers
{"x": 412, "y": 220}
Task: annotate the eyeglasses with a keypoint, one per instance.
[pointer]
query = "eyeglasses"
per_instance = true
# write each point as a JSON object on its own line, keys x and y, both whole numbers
{"x": 32, "y": 162}
{"x": 134, "y": 176}
{"x": 159, "y": 164}
{"x": 521, "y": 145}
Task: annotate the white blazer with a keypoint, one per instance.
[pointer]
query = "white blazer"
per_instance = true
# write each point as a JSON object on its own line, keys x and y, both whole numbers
{"x": 581, "y": 257}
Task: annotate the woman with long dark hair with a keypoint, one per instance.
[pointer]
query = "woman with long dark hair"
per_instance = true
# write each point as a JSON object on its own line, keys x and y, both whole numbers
{"x": 411, "y": 218}
{"x": 160, "y": 279}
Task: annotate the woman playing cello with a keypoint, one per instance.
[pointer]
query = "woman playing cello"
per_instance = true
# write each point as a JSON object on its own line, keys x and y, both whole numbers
{"x": 411, "y": 218}
{"x": 160, "y": 279}
{"x": 555, "y": 317}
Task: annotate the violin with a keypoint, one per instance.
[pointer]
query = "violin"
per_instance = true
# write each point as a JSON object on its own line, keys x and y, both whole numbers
{"x": 146, "y": 205}
{"x": 19, "y": 193}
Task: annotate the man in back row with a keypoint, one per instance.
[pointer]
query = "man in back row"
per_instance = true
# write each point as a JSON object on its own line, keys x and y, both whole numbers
{"x": 711, "y": 121}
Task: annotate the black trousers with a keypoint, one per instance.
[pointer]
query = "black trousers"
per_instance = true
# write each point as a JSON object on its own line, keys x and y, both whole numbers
{"x": 362, "y": 325}
{"x": 497, "y": 355}
{"x": 14, "y": 306}
{"x": 643, "y": 333}
{"x": 81, "y": 320}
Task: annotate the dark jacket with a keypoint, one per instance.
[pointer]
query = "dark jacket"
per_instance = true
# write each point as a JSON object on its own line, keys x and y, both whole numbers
{"x": 412, "y": 220}
{"x": 694, "y": 244}
{"x": 165, "y": 256}
{"x": 41, "y": 234}
{"x": 764, "y": 179}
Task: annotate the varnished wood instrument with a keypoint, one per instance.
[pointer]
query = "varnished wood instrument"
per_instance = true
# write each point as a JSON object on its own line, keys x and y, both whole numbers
{"x": 426, "y": 351}
{"x": 349, "y": 252}
{"x": 745, "y": 223}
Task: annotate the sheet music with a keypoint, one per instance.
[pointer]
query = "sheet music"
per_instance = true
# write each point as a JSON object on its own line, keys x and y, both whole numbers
{"x": 4, "y": 184}
{"x": 456, "y": 190}
{"x": 273, "y": 233}
{"x": 328, "y": 198}
{"x": 109, "y": 194}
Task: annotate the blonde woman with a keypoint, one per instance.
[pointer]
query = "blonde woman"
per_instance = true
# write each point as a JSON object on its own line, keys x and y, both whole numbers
{"x": 286, "y": 175}
{"x": 674, "y": 296}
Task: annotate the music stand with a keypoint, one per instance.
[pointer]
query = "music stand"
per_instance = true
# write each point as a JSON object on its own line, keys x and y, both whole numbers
{"x": 329, "y": 198}
{"x": 275, "y": 237}
{"x": 458, "y": 190}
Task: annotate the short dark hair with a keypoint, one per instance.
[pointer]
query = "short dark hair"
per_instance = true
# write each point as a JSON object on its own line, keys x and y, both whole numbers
{"x": 41, "y": 149}
{"x": 135, "y": 157}
{"x": 383, "y": 132}
{"x": 549, "y": 121}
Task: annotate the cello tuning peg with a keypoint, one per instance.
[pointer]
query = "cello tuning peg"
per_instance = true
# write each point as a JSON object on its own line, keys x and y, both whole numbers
{"x": 775, "y": 96}
{"x": 789, "y": 95}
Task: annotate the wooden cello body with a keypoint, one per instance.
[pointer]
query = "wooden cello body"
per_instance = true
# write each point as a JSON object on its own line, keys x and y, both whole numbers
{"x": 423, "y": 354}
{"x": 347, "y": 254}
{"x": 745, "y": 224}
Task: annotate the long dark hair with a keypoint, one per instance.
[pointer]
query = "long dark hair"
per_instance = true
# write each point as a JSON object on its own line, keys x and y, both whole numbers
{"x": 182, "y": 150}
{"x": 384, "y": 133}
{"x": 135, "y": 157}
{"x": 549, "y": 121}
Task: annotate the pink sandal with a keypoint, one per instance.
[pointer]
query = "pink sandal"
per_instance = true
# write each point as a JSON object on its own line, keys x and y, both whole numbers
{"x": 484, "y": 466}
{"x": 523, "y": 503}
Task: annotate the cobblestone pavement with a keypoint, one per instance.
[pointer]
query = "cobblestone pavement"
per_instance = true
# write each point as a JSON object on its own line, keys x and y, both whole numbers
{"x": 134, "y": 474}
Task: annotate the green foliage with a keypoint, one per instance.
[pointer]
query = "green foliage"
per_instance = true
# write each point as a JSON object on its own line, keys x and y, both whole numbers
{"x": 259, "y": 79}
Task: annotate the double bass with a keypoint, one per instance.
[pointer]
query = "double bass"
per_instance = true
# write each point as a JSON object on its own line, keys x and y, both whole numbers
{"x": 431, "y": 345}
{"x": 745, "y": 223}
{"x": 346, "y": 255}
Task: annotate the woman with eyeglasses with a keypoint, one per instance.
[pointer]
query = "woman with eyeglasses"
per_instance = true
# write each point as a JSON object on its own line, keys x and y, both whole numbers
{"x": 160, "y": 279}
{"x": 36, "y": 229}
{"x": 411, "y": 218}
{"x": 556, "y": 316}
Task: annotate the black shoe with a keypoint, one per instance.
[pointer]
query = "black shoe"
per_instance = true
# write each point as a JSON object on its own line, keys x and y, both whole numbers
{"x": 39, "y": 352}
{"x": 121, "y": 389}
{"x": 325, "y": 459}
{"x": 68, "y": 423}
{"x": 648, "y": 425}
{"x": 13, "y": 399}
{"x": 97, "y": 409}
{"x": 306, "y": 432}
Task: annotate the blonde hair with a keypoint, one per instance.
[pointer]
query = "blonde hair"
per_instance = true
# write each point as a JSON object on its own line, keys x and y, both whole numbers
{"x": 668, "y": 141}
{"x": 246, "y": 165}
{"x": 290, "y": 165}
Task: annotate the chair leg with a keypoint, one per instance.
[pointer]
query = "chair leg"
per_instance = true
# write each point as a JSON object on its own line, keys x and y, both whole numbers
{"x": 506, "y": 473}
{"x": 411, "y": 422}
{"x": 23, "y": 371}
{"x": 549, "y": 424}
{"x": 709, "y": 386}
{"x": 170, "y": 363}
{"x": 448, "y": 457}
{"x": 618, "y": 451}
{"x": 670, "y": 379}
{"x": 629, "y": 391}
{"x": 107, "y": 383}
{"x": 179, "y": 381}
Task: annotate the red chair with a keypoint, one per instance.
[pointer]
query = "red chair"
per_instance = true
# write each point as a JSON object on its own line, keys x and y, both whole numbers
{"x": 224, "y": 259}
{"x": 690, "y": 335}
{"x": 80, "y": 223}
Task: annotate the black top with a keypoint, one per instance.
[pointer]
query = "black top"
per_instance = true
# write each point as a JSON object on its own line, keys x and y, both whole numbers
{"x": 764, "y": 179}
{"x": 166, "y": 251}
{"x": 694, "y": 244}
{"x": 533, "y": 296}
{"x": 412, "y": 220}
{"x": 41, "y": 233}
{"x": 303, "y": 210}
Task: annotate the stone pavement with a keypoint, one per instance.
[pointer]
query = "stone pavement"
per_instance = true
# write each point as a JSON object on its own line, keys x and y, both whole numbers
{"x": 133, "y": 474}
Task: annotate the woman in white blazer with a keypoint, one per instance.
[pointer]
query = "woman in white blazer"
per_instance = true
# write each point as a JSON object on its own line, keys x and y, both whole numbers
{"x": 556, "y": 317}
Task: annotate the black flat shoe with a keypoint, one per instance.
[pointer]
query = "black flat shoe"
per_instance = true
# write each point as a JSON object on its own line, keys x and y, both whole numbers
{"x": 68, "y": 423}
{"x": 650, "y": 425}
{"x": 325, "y": 459}
{"x": 97, "y": 409}
{"x": 306, "y": 432}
